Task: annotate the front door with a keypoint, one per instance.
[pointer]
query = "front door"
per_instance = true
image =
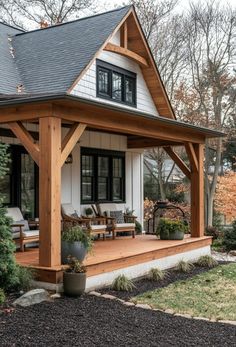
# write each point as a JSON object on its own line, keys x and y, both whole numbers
{"x": 20, "y": 186}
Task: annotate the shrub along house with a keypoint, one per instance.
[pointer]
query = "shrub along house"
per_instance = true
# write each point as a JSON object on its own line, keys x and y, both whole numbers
{"x": 79, "y": 102}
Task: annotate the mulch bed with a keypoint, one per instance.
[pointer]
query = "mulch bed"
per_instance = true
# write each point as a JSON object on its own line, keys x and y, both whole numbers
{"x": 94, "y": 321}
{"x": 143, "y": 285}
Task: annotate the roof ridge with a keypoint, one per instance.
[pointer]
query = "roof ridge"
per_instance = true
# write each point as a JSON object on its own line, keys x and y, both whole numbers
{"x": 75, "y": 20}
{"x": 11, "y": 26}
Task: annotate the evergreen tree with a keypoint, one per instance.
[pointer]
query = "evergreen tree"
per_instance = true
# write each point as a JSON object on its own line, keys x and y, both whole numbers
{"x": 8, "y": 266}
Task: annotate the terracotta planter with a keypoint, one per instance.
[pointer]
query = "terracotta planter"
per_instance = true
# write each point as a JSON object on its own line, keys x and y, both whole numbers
{"x": 74, "y": 283}
{"x": 74, "y": 249}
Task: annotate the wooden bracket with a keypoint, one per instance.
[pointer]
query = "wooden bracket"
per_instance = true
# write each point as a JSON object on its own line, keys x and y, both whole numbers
{"x": 26, "y": 139}
{"x": 192, "y": 156}
{"x": 178, "y": 161}
{"x": 126, "y": 53}
{"x": 70, "y": 140}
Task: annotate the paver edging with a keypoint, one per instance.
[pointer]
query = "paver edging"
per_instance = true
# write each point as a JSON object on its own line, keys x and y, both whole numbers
{"x": 148, "y": 307}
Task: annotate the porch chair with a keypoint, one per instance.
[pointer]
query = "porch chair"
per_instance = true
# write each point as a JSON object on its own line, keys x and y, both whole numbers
{"x": 117, "y": 220}
{"x": 95, "y": 226}
{"x": 21, "y": 232}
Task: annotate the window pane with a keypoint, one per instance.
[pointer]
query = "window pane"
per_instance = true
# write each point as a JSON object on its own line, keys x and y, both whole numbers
{"x": 102, "y": 188}
{"x": 117, "y": 189}
{"x": 103, "y": 166}
{"x": 87, "y": 189}
{"x": 117, "y": 167}
{"x": 129, "y": 90}
{"x": 116, "y": 86}
{"x": 103, "y": 81}
{"x": 87, "y": 165}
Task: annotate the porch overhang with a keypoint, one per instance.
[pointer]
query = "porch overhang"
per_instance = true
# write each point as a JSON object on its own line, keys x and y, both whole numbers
{"x": 104, "y": 116}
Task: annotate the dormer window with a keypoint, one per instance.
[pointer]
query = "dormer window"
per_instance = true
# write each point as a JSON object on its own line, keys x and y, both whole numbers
{"x": 116, "y": 84}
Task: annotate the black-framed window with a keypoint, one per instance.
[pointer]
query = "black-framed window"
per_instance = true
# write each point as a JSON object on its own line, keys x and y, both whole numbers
{"x": 102, "y": 176}
{"x": 116, "y": 84}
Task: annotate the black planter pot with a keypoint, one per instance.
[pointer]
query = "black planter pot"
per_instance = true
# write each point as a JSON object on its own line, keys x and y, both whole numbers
{"x": 74, "y": 249}
{"x": 176, "y": 235}
{"x": 74, "y": 283}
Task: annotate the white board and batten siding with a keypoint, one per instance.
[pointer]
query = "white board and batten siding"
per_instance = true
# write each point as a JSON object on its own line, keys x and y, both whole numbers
{"x": 134, "y": 173}
{"x": 86, "y": 87}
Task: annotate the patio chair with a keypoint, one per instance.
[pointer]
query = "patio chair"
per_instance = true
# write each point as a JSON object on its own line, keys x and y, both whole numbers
{"x": 95, "y": 226}
{"x": 21, "y": 232}
{"x": 117, "y": 220}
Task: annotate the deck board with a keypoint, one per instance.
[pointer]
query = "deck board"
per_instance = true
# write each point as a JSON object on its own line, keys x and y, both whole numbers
{"x": 111, "y": 254}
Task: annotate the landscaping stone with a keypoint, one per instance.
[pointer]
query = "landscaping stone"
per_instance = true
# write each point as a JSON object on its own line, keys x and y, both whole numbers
{"x": 127, "y": 303}
{"x": 108, "y": 296}
{"x": 232, "y": 253}
{"x": 120, "y": 300}
{"x": 34, "y": 296}
{"x": 227, "y": 322}
{"x": 169, "y": 311}
{"x": 183, "y": 315}
{"x": 55, "y": 296}
{"x": 203, "y": 318}
{"x": 145, "y": 306}
{"x": 94, "y": 293}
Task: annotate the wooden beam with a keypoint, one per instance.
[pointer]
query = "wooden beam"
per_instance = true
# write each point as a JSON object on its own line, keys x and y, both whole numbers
{"x": 126, "y": 53}
{"x": 197, "y": 194}
{"x": 24, "y": 112}
{"x": 50, "y": 191}
{"x": 117, "y": 120}
{"x": 178, "y": 161}
{"x": 70, "y": 140}
{"x": 145, "y": 142}
{"x": 192, "y": 156}
{"x": 124, "y": 35}
{"x": 26, "y": 139}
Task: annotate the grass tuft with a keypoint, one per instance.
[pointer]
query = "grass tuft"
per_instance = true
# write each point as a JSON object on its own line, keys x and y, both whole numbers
{"x": 184, "y": 266}
{"x": 122, "y": 283}
{"x": 207, "y": 261}
{"x": 156, "y": 274}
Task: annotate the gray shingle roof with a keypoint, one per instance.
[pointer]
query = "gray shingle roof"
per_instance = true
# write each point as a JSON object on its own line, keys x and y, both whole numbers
{"x": 9, "y": 77}
{"x": 49, "y": 60}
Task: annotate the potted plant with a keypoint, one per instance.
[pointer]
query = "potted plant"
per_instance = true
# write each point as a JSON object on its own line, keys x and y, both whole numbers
{"x": 74, "y": 277}
{"x": 89, "y": 212}
{"x": 76, "y": 242}
{"x": 169, "y": 229}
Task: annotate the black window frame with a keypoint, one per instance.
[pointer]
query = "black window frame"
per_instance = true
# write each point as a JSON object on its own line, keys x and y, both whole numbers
{"x": 110, "y": 68}
{"x": 95, "y": 153}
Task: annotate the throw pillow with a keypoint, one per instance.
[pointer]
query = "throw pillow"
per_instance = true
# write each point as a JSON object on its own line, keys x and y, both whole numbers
{"x": 118, "y": 215}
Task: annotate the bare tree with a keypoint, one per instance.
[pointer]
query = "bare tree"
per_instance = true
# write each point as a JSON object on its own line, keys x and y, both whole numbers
{"x": 22, "y": 13}
{"x": 210, "y": 32}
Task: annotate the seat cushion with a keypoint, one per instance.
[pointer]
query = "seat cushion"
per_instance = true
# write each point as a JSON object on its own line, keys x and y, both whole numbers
{"x": 125, "y": 225}
{"x": 118, "y": 215}
{"x": 30, "y": 233}
{"x": 98, "y": 227}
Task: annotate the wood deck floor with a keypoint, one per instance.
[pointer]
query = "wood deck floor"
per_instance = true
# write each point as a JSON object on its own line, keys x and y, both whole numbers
{"x": 111, "y": 255}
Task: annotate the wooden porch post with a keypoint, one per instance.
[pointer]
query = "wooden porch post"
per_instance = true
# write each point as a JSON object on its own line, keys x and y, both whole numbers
{"x": 50, "y": 191}
{"x": 197, "y": 189}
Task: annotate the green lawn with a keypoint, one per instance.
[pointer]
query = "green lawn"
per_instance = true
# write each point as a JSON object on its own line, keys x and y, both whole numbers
{"x": 211, "y": 294}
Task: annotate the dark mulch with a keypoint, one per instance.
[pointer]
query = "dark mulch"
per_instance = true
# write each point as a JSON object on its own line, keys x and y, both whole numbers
{"x": 143, "y": 285}
{"x": 92, "y": 321}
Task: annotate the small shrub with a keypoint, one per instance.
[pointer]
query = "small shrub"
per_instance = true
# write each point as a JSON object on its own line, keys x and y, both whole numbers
{"x": 184, "y": 266}
{"x": 212, "y": 231}
{"x": 2, "y": 296}
{"x": 207, "y": 261}
{"x": 25, "y": 276}
{"x": 217, "y": 245}
{"x": 229, "y": 238}
{"x": 156, "y": 274}
{"x": 75, "y": 266}
{"x": 167, "y": 228}
{"x": 138, "y": 227}
{"x": 123, "y": 283}
{"x": 76, "y": 233}
{"x": 88, "y": 211}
